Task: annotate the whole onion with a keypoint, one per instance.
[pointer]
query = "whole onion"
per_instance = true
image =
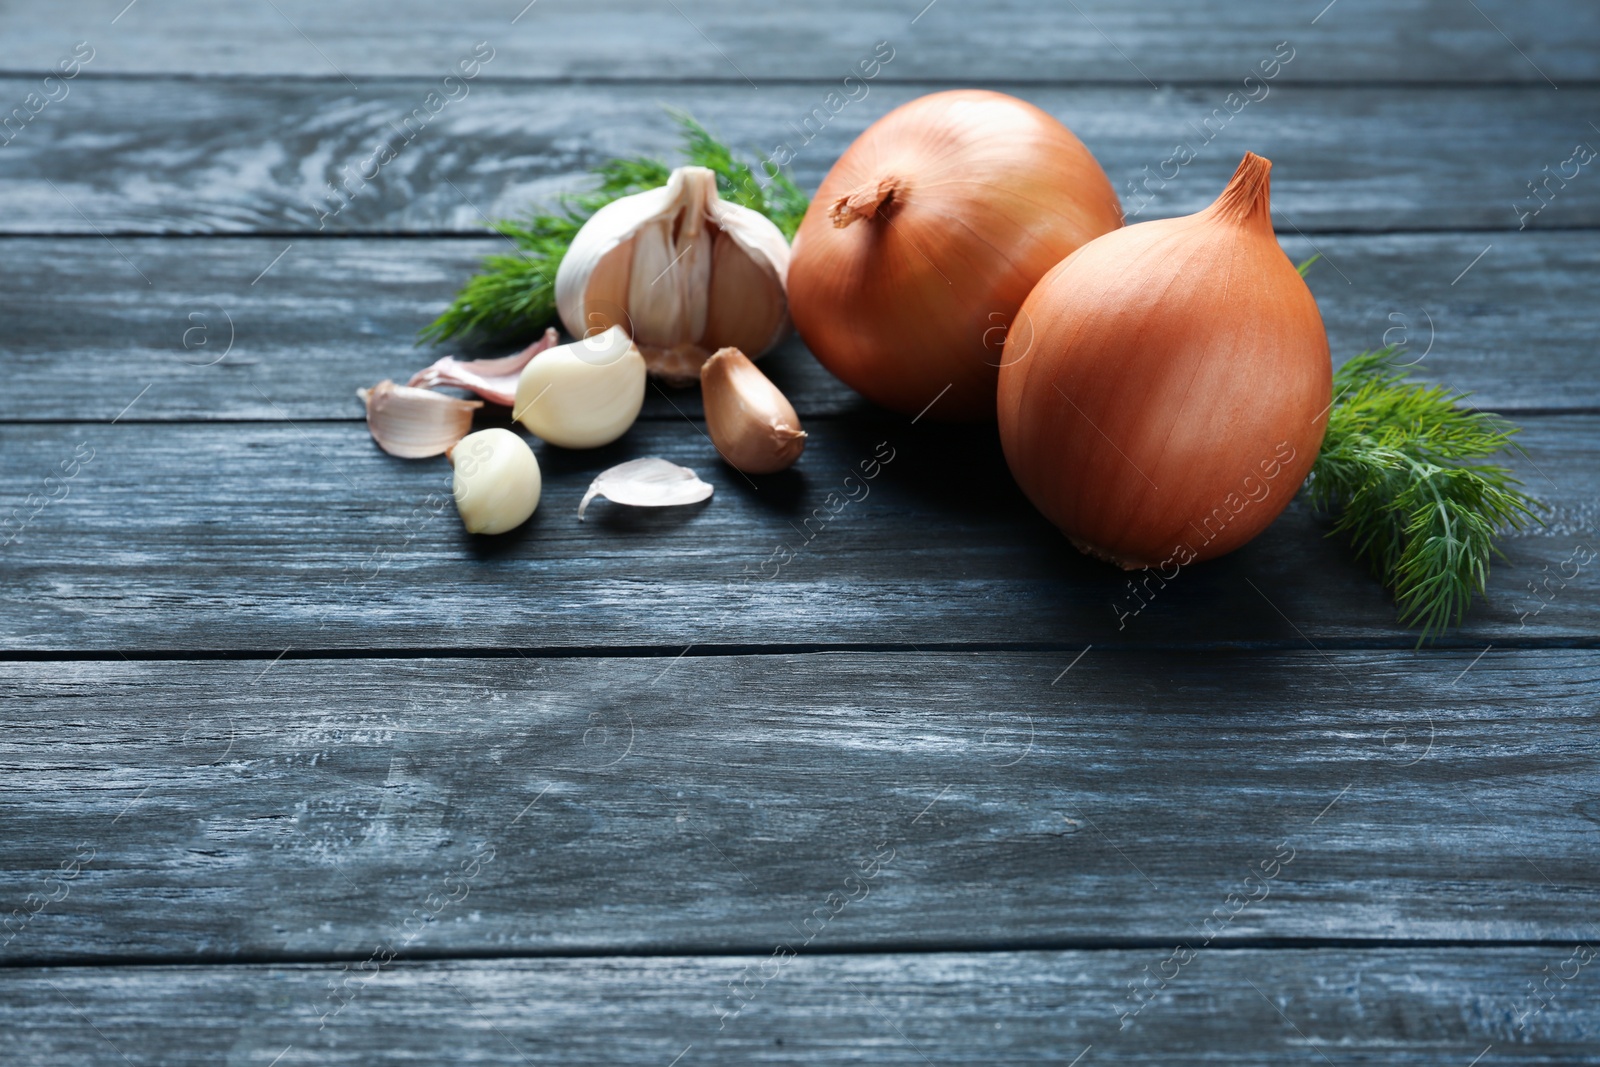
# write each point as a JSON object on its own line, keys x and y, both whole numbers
{"x": 1166, "y": 388}
{"x": 926, "y": 236}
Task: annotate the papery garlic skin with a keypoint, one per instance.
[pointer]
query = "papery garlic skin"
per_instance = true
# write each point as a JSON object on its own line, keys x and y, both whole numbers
{"x": 751, "y": 422}
{"x": 584, "y": 394}
{"x": 496, "y": 481}
{"x": 493, "y": 379}
{"x": 683, "y": 271}
{"x": 651, "y": 482}
{"x": 415, "y": 423}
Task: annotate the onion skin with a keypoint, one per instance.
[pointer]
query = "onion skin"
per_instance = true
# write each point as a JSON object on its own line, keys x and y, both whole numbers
{"x": 1167, "y": 387}
{"x": 927, "y": 235}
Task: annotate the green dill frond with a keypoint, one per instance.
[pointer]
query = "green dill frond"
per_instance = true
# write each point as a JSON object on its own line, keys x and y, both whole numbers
{"x": 1398, "y": 467}
{"x": 624, "y": 177}
{"x": 507, "y": 294}
{"x": 514, "y": 295}
{"x": 786, "y": 204}
{"x": 1305, "y": 265}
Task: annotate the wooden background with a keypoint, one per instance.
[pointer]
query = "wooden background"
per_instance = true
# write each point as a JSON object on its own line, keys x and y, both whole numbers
{"x": 293, "y": 772}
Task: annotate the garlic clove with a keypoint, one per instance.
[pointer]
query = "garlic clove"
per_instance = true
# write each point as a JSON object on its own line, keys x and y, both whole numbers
{"x": 493, "y": 379}
{"x": 683, "y": 271}
{"x": 415, "y": 423}
{"x": 696, "y": 243}
{"x": 655, "y": 292}
{"x": 751, "y": 422}
{"x": 647, "y": 483}
{"x": 743, "y": 308}
{"x": 606, "y": 299}
{"x": 584, "y": 394}
{"x": 496, "y": 481}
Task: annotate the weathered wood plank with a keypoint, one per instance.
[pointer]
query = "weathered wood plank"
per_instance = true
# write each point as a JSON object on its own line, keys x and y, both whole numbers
{"x": 304, "y": 808}
{"x": 262, "y": 536}
{"x": 1421, "y": 1007}
{"x": 215, "y": 342}
{"x": 744, "y": 44}
{"x": 178, "y": 155}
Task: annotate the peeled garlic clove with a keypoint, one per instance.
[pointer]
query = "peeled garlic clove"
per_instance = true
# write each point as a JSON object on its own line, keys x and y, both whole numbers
{"x": 647, "y": 483}
{"x": 750, "y": 421}
{"x": 585, "y": 394}
{"x": 682, "y": 270}
{"x": 415, "y": 423}
{"x": 496, "y": 481}
{"x": 493, "y": 379}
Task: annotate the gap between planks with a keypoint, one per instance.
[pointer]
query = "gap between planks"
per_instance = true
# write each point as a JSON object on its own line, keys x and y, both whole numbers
{"x": 714, "y": 651}
{"x": 762, "y": 950}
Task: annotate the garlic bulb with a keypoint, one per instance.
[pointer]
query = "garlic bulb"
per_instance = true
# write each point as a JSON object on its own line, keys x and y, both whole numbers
{"x": 750, "y": 421}
{"x": 682, "y": 271}
{"x": 496, "y": 481}
{"x": 585, "y": 394}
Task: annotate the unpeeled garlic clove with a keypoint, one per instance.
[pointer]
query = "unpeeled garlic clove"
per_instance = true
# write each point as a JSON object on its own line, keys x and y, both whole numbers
{"x": 493, "y": 379}
{"x": 683, "y": 271}
{"x": 751, "y": 422}
{"x": 585, "y": 394}
{"x": 415, "y": 423}
{"x": 496, "y": 481}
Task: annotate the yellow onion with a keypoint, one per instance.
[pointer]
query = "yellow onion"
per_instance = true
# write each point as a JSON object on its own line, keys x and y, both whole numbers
{"x": 927, "y": 235}
{"x": 1166, "y": 388}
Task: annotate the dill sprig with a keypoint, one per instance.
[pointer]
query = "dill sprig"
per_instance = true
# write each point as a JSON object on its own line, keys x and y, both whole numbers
{"x": 780, "y": 200}
{"x": 1399, "y": 467}
{"x": 515, "y": 294}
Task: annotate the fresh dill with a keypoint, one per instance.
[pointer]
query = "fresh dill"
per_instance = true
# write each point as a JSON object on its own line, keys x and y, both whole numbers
{"x": 1401, "y": 470}
{"x": 514, "y": 295}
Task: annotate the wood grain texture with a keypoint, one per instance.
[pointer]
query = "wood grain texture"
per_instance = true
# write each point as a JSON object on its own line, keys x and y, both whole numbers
{"x": 266, "y": 709}
{"x": 1418, "y": 1007}
{"x": 215, "y": 339}
{"x": 306, "y": 808}
{"x": 262, "y": 536}
{"x": 746, "y": 44}
{"x": 173, "y": 155}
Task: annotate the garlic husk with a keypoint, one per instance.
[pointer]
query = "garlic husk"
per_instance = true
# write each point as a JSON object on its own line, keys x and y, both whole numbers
{"x": 651, "y": 482}
{"x": 585, "y": 394}
{"x": 750, "y": 421}
{"x": 683, "y": 271}
{"x": 496, "y": 481}
{"x": 415, "y": 423}
{"x": 493, "y": 379}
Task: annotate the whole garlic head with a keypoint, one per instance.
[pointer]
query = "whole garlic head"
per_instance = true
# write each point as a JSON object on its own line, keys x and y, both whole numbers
{"x": 496, "y": 481}
{"x": 683, "y": 271}
{"x": 585, "y": 394}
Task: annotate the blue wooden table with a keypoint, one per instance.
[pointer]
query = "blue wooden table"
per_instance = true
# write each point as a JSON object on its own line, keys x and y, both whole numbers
{"x": 293, "y": 772}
